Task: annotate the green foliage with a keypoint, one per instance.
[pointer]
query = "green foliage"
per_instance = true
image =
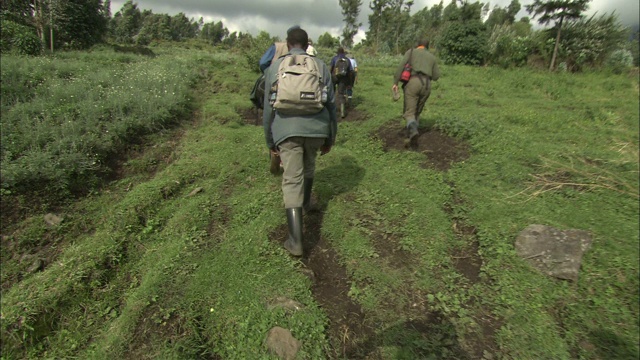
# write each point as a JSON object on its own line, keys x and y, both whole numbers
{"x": 589, "y": 42}
{"x": 328, "y": 41}
{"x": 61, "y": 122}
{"x": 18, "y": 38}
{"x": 557, "y": 11}
{"x": 464, "y": 43}
{"x": 254, "y": 48}
{"x": 79, "y": 24}
{"x": 506, "y": 48}
{"x": 350, "y": 11}
{"x": 620, "y": 61}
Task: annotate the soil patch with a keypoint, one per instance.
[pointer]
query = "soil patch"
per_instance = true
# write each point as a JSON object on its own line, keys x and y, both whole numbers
{"x": 353, "y": 114}
{"x": 441, "y": 150}
{"x": 251, "y": 116}
{"x": 468, "y": 262}
{"x": 347, "y": 322}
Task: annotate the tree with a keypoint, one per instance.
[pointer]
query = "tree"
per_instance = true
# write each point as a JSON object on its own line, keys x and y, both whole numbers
{"x": 464, "y": 40}
{"x": 328, "y": 41}
{"x": 214, "y": 33}
{"x": 79, "y": 23}
{"x": 350, "y": 11}
{"x": 500, "y": 16}
{"x": 557, "y": 11}
{"x": 127, "y": 22}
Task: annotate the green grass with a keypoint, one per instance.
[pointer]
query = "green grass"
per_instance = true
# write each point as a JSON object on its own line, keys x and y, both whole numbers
{"x": 140, "y": 269}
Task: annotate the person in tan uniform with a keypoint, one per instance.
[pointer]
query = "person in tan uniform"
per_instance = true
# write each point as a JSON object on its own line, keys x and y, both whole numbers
{"x": 275, "y": 51}
{"x": 424, "y": 69}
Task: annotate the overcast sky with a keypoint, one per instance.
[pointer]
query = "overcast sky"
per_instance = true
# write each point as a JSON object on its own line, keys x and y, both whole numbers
{"x": 320, "y": 16}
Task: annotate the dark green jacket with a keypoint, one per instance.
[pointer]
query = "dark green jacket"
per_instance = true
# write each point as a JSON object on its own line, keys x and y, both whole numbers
{"x": 422, "y": 61}
{"x": 279, "y": 127}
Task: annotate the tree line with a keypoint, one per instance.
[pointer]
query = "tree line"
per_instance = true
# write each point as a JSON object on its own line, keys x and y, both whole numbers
{"x": 461, "y": 32}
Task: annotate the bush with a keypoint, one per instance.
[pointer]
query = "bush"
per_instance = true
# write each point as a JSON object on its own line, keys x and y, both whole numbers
{"x": 620, "y": 60}
{"x": 255, "y": 48}
{"x": 506, "y": 48}
{"x": 18, "y": 38}
{"x": 464, "y": 43}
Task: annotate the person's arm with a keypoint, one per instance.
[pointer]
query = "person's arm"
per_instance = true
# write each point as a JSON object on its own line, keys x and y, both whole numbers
{"x": 265, "y": 60}
{"x": 436, "y": 71}
{"x": 267, "y": 113}
{"x": 333, "y": 118}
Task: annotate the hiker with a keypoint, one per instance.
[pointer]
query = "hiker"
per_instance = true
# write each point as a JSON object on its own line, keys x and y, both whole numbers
{"x": 417, "y": 89}
{"x": 275, "y": 51}
{"x": 297, "y": 123}
{"x": 354, "y": 76}
{"x": 341, "y": 71}
{"x": 311, "y": 50}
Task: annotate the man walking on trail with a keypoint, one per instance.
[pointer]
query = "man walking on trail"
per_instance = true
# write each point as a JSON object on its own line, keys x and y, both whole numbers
{"x": 341, "y": 72}
{"x": 275, "y": 51}
{"x": 424, "y": 69}
{"x": 298, "y": 137}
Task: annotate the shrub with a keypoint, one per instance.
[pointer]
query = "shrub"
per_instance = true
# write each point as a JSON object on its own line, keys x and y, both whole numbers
{"x": 464, "y": 43}
{"x": 18, "y": 38}
{"x": 620, "y": 60}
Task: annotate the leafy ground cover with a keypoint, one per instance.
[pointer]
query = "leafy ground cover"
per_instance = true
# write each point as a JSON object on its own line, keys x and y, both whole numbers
{"x": 411, "y": 255}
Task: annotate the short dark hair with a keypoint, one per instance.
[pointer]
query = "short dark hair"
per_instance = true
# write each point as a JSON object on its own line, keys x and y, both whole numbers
{"x": 340, "y": 50}
{"x": 423, "y": 42}
{"x": 298, "y": 37}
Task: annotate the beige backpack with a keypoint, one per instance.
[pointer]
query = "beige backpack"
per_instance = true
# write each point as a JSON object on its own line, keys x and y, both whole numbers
{"x": 299, "y": 86}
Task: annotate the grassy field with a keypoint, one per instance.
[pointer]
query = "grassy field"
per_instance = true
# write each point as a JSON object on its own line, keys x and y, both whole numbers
{"x": 412, "y": 256}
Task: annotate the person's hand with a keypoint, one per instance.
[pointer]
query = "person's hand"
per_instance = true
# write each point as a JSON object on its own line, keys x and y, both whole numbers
{"x": 394, "y": 88}
{"x": 275, "y": 152}
{"x": 324, "y": 149}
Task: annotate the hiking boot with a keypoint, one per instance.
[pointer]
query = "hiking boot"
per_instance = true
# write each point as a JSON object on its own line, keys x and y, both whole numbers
{"x": 412, "y": 128}
{"x": 275, "y": 166}
{"x": 294, "y": 243}
{"x": 309, "y": 204}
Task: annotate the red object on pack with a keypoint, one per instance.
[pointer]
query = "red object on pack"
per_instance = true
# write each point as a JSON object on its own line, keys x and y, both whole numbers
{"x": 406, "y": 73}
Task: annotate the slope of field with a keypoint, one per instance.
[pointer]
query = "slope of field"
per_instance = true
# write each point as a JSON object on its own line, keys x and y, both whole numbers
{"x": 179, "y": 255}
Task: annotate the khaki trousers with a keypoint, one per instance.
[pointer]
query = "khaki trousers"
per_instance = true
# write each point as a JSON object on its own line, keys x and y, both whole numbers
{"x": 298, "y": 156}
{"x": 416, "y": 93}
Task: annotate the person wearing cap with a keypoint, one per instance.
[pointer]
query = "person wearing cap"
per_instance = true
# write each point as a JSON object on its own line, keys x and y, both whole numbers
{"x": 275, "y": 51}
{"x": 424, "y": 69}
{"x": 311, "y": 50}
{"x": 297, "y": 139}
{"x": 341, "y": 84}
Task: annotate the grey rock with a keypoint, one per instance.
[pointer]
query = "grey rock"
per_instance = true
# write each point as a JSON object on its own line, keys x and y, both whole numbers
{"x": 53, "y": 219}
{"x": 37, "y": 265}
{"x": 553, "y": 252}
{"x": 284, "y": 303}
{"x": 195, "y": 191}
{"x": 280, "y": 342}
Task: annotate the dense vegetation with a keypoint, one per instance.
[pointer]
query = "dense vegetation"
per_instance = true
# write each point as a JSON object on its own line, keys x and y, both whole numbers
{"x": 461, "y": 32}
{"x": 181, "y": 255}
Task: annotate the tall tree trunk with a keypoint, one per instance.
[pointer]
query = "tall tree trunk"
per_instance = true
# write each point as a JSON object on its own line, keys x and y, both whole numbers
{"x": 51, "y": 25}
{"x": 555, "y": 48}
